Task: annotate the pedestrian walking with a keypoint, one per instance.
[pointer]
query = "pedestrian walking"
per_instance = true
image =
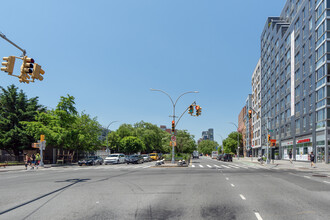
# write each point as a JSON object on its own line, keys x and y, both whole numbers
{"x": 290, "y": 156}
{"x": 33, "y": 160}
{"x": 38, "y": 158}
{"x": 312, "y": 157}
{"x": 26, "y": 160}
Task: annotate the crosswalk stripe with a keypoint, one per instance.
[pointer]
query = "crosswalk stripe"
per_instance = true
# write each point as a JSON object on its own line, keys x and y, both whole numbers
{"x": 225, "y": 166}
{"x": 208, "y": 166}
{"x": 201, "y": 166}
{"x": 193, "y": 165}
{"x": 216, "y": 166}
{"x": 233, "y": 166}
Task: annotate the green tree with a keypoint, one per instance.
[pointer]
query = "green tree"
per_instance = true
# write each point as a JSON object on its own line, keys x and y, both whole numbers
{"x": 230, "y": 143}
{"x": 15, "y": 107}
{"x": 185, "y": 142}
{"x": 207, "y": 146}
{"x": 131, "y": 144}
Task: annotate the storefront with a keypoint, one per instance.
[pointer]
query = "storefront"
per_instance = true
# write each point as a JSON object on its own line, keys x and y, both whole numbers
{"x": 304, "y": 146}
{"x": 286, "y": 146}
{"x": 320, "y": 147}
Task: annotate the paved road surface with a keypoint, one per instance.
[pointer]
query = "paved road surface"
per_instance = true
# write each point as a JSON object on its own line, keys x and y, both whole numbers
{"x": 207, "y": 189}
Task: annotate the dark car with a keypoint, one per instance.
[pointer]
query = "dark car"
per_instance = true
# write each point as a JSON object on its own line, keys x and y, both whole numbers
{"x": 91, "y": 160}
{"x": 227, "y": 157}
{"x": 219, "y": 157}
{"x": 134, "y": 159}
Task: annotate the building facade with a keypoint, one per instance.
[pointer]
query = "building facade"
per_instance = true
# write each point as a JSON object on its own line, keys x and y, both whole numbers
{"x": 256, "y": 105}
{"x": 295, "y": 78}
{"x": 242, "y": 127}
{"x": 208, "y": 135}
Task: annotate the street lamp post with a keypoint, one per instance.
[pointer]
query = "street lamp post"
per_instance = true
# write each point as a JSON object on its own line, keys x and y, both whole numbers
{"x": 221, "y": 142}
{"x": 108, "y": 150}
{"x": 173, "y": 116}
{"x": 237, "y": 139}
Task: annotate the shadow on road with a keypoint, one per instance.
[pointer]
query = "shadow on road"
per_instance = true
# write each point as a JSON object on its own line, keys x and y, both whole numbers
{"x": 71, "y": 181}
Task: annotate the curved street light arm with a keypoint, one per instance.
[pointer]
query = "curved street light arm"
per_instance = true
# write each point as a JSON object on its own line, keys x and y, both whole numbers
{"x": 164, "y": 93}
{"x": 184, "y": 94}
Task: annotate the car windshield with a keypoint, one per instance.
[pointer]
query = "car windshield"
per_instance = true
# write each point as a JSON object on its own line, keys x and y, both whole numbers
{"x": 133, "y": 156}
{"x": 152, "y": 154}
{"x": 113, "y": 155}
{"x": 144, "y": 155}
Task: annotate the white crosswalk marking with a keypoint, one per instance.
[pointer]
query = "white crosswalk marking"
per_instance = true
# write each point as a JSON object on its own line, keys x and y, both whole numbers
{"x": 225, "y": 166}
{"x": 233, "y": 166}
{"x": 208, "y": 166}
{"x": 201, "y": 166}
{"x": 193, "y": 165}
{"x": 217, "y": 166}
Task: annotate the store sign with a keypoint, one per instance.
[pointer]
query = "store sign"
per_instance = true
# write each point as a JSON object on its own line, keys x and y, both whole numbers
{"x": 286, "y": 143}
{"x": 303, "y": 141}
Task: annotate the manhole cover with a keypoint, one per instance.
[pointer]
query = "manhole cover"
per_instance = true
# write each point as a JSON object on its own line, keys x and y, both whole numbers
{"x": 319, "y": 175}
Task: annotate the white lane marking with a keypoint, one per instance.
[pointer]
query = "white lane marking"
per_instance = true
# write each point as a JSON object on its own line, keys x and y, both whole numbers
{"x": 146, "y": 167}
{"x": 201, "y": 166}
{"x": 308, "y": 177}
{"x": 208, "y": 166}
{"x": 192, "y": 165}
{"x": 326, "y": 182}
{"x": 242, "y": 196}
{"x": 227, "y": 178}
{"x": 233, "y": 166}
{"x": 232, "y": 185}
{"x": 225, "y": 166}
{"x": 258, "y": 216}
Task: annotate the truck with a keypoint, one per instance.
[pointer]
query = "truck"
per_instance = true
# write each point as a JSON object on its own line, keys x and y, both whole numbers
{"x": 214, "y": 154}
{"x": 195, "y": 154}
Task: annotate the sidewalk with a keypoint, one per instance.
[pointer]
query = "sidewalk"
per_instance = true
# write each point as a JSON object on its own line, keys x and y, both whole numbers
{"x": 285, "y": 164}
{"x": 22, "y": 167}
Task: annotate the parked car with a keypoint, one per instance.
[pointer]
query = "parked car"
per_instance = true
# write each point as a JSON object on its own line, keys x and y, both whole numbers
{"x": 91, "y": 160}
{"x": 115, "y": 158}
{"x": 134, "y": 159}
{"x": 146, "y": 158}
{"x": 227, "y": 157}
{"x": 154, "y": 156}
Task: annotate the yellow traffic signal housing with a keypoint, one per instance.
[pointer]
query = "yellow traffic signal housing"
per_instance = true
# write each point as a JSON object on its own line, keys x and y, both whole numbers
{"x": 198, "y": 110}
{"x": 9, "y": 65}
{"x": 268, "y": 138}
{"x": 191, "y": 109}
{"x": 250, "y": 113}
{"x": 36, "y": 72}
{"x": 26, "y": 69}
{"x": 173, "y": 127}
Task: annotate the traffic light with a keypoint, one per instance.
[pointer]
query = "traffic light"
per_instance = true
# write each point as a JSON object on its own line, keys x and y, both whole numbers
{"x": 268, "y": 138}
{"x": 198, "y": 110}
{"x": 9, "y": 65}
{"x": 173, "y": 127}
{"x": 191, "y": 109}
{"x": 26, "y": 69}
{"x": 250, "y": 114}
{"x": 37, "y": 71}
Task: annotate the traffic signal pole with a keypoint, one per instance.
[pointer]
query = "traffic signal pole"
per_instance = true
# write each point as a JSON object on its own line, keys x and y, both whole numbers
{"x": 173, "y": 137}
{"x": 12, "y": 43}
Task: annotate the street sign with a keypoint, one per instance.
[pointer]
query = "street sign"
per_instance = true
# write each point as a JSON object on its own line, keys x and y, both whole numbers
{"x": 270, "y": 131}
{"x": 173, "y": 138}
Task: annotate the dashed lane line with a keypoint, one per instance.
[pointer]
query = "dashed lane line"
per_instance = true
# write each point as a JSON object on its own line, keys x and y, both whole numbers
{"x": 243, "y": 198}
{"x": 326, "y": 182}
{"x": 258, "y": 216}
{"x": 308, "y": 177}
{"x": 227, "y": 178}
{"x": 232, "y": 185}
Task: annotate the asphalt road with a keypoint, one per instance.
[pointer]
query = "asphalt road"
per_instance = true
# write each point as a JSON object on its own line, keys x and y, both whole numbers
{"x": 208, "y": 189}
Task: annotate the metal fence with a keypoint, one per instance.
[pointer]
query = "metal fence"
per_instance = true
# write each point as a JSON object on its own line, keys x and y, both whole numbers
{"x": 10, "y": 158}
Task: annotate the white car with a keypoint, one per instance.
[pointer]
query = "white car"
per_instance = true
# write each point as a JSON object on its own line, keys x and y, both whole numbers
{"x": 114, "y": 158}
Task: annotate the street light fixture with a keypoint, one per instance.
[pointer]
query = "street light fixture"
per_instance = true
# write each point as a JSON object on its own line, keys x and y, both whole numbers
{"x": 108, "y": 150}
{"x": 237, "y": 139}
{"x": 173, "y": 116}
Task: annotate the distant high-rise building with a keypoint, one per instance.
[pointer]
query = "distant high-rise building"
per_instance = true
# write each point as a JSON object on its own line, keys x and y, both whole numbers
{"x": 208, "y": 135}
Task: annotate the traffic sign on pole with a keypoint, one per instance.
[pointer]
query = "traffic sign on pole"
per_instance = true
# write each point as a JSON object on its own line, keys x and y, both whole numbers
{"x": 173, "y": 138}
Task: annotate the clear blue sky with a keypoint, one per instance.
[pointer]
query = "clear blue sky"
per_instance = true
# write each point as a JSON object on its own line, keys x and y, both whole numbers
{"x": 108, "y": 54}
